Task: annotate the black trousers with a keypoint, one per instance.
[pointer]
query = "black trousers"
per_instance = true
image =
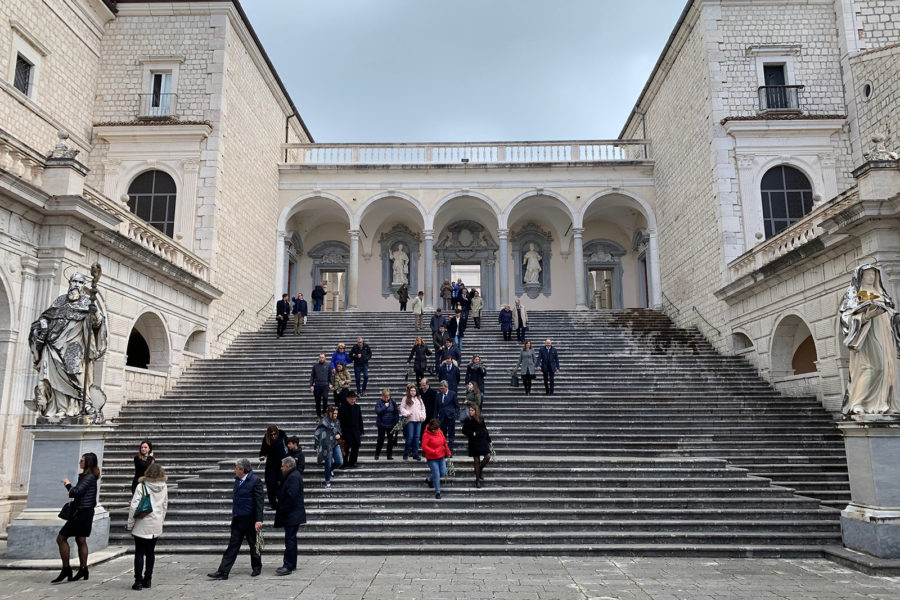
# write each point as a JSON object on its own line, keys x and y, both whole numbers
{"x": 290, "y": 546}
{"x": 144, "y": 549}
{"x": 477, "y": 322}
{"x": 385, "y": 432}
{"x": 321, "y": 394}
{"x": 241, "y": 527}
{"x": 403, "y": 306}
{"x": 273, "y": 482}
{"x": 520, "y": 333}
{"x": 352, "y": 454}
{"x": 507, "y": 335}
{"x": 282, "y": 324}
{"x": 526, "y": 381}
{"x": 548, "y": 381}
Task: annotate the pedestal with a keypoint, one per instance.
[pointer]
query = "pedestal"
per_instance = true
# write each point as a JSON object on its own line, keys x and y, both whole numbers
{"x": 57, "y": 450}
{"x": 871, "y": 522}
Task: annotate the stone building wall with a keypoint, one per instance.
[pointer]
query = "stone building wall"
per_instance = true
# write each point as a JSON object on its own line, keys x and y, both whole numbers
{"x": 879, "y": 113}
{"x": 878, "y": 21}
{"x": 144, "y": 385}
{"x": 64, "y": 43}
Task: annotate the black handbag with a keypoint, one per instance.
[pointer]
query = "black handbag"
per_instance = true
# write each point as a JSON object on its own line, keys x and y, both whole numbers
{"x": 67, "y": 511}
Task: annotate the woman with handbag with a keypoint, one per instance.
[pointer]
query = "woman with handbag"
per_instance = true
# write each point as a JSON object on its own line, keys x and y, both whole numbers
{"x": 527, "y": 364}
{"x": 419, "y": 357}
{"x": 437, "y": 451}
{"x": 479, "y": 442}
{"x": 273, "y": 449}
{"x": 151, "y": 495}
{"x": 142, "y": 460}
{"x": 327, "y": 439}
{"x": 79, "y": 515}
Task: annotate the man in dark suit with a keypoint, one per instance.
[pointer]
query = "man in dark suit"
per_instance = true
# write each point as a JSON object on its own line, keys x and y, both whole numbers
{"x": 548, "y": 364}
{"x": 291, "y": 513}
{"x": 439, "y": 338}
{"x": 429, "y": 398}
{"x": 448, "y": 411}
{"x": 449, "y": 373}
{"x": 350, "y": 416}
{"x": 282, "y": 313}
{"x": 246, "y": 519}
{"x": 452, "y": 351}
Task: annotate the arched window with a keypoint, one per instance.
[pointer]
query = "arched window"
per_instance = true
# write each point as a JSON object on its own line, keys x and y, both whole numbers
{"x": 786, "y": 197}
{"x": 151, "y": 196}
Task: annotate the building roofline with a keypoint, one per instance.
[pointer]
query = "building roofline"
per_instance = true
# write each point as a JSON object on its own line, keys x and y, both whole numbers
{"x": 658, "y": 66}
{"x": 240, "y": 10}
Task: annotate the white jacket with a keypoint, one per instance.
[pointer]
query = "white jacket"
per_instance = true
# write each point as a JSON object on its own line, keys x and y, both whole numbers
{"x": 150, "y": 526}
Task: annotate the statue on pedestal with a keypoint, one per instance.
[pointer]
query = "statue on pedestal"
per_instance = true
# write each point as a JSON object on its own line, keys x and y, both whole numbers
{"x": 532, "y": 262}
{"x": 869, "y": 323}
{"x": 66, "y": 341}
{"x": 400, "y": 265}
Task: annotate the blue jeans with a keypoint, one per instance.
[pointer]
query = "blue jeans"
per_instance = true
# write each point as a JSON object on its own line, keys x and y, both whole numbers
{"x": 412, "y": 431}
{"x": 458, "y": 341}
{"x": 317, "y": 305}
{"x": 333, "y": 459}
{"x": 364, "y": 369}
{"x": 438, "y": 468}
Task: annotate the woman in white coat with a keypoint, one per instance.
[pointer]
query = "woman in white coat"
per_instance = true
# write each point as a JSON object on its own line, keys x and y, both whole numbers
{"x": 147, "y": 529}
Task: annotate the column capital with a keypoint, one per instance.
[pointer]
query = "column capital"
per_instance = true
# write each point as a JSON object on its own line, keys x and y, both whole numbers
{"x": 354, "y": 233}
{"x": 29, "y": 265}
{"x": 502, "y": 233}
{"x": 428, "y": 233}
{"x": 578, "y": 231}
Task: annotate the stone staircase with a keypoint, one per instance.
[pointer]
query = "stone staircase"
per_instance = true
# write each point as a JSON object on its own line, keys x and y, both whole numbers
{"x": 652, "y": 444}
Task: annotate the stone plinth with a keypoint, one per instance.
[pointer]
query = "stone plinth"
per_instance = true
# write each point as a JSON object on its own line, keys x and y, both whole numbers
{"x": 871, "y": 522}
{"x": 57, "y": 450}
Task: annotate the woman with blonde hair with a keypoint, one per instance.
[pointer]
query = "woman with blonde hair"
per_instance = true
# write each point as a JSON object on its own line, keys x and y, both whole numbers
{"x": 412, "y": 408}
{"x": 418, "y": 355}
{"x": 341, "y": 384}
{"x": 147, "y": 529}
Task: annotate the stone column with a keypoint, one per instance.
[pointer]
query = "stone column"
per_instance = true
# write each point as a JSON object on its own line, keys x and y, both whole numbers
{"x": 428, "y": 285}
{"x": 653, "y": 270}
{"x": 578, "y": 253}
{"x": 503, "y": 261}
{"x": 187, "y": 205}
{"x": 353, "y": 282}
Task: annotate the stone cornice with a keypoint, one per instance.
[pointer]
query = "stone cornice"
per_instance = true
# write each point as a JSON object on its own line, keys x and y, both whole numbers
{"x": 779, "y": 127}
{"x": 168, "y": 131}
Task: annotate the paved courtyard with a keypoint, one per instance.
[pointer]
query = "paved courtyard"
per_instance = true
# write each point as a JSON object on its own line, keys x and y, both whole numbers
{"x": 464, "y": 577}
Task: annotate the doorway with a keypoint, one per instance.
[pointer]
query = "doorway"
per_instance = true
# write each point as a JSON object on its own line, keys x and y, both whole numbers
{"x": 334, "y": 288}
{"x": 601, "y": 292}
{"x": 469, "y": 273}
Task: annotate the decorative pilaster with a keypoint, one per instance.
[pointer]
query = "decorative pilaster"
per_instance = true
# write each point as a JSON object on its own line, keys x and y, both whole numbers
{"x": 503, "y": 259}
{"x": 578, "y": 247}
{"x": 428, "y": 284}
{"x": 353, "y": 272}
{"x": 653, "y": 269}
{"x": 186, "y": 209}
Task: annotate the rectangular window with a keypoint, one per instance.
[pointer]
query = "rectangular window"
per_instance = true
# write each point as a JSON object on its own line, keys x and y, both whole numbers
{"x": 160, "y": 94}
{"x": 24, "y": 72}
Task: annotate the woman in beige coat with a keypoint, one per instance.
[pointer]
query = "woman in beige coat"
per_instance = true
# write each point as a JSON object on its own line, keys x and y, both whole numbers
{"x": 147, "y": 529}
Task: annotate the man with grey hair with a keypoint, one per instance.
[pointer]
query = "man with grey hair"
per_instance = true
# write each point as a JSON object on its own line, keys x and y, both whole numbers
{"x": 291, "y": 513}
{"x": 246, "y": 518}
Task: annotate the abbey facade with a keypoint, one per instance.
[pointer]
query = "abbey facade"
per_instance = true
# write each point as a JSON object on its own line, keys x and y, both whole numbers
{"x": 755, "y": 172}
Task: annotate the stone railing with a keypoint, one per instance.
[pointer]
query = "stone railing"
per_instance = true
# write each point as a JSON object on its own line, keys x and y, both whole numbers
{"x": 480, "y": 153}
{"x": 148, "y": 237}
{"x": 797, "y": 235}
{"x": 20, "y": 160}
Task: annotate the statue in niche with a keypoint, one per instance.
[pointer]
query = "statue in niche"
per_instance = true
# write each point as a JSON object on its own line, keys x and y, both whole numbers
{"x": 400, "y": 261}
{"x": 66, "y": 341}
{"x": 532, "y": 262}
{"x": 869, "y": 323}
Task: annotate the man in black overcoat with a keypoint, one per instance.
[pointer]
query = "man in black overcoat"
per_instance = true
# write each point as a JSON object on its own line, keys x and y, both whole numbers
{"x": 350, "y": 417}
{"x": 282, "y": 313}
{"x": 291, "y": 512}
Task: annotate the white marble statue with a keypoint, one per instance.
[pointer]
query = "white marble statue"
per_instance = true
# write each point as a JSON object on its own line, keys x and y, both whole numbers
{"x": 532, "y": 262}
{"x": 870, "y": 332}
{"x": 400, "y": 265}
{"x": 66, "y": 341}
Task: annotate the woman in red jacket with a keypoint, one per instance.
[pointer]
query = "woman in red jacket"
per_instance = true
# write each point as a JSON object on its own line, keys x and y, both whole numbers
{"x": 434, "y": 444}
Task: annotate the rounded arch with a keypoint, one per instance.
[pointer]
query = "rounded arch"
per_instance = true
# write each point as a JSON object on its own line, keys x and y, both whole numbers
{"x": 494, "y": 208}
{"x": 364, "y": 209}
{"x": 195, "y": 343}
{"x": 563, "y": 201}
{"x": 790, "y": 334}
{"x": 152, "y": 327}
{"x": 787, "y": 161}
{"x": 7, "y": 332}
{"x": 7, "y": 306}
{"x": 785, "y": 195}
{"x": 642, "y": 205}
{"x": 139, "y": 169}
{"x": 295, "y": 205}
{"x": 740, "y": 341}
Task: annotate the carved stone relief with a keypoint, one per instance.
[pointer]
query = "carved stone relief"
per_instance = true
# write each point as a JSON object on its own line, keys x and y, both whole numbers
{"x": 468, "y": 242}
{"x": 390, "y": 243}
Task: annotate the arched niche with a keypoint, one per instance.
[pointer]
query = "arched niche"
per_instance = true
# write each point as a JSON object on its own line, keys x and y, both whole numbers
{"x": 740, "y": 342}
{"x": 152, "y": 330}
{"x": 468, "y": 242}
{"x": 391, "y": 241}
{"x": 196, "y": 343}
{"x": 604, "y": 255}
{"x": 522, "y": 241}
{"x": 330, "y": 256}
{"x": 790, "y": 333}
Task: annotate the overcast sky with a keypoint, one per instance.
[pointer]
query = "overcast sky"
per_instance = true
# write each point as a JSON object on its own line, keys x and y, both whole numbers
{"x": 463, "y": 70}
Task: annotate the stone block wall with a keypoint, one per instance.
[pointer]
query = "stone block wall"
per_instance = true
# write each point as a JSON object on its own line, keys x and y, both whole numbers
{"x": 141, "y": 384}
{"x": 65, "y": 45}
{"x": 879, "y": 113}
{"x": 808, "y": 27}
{"x": 878, "y": 22}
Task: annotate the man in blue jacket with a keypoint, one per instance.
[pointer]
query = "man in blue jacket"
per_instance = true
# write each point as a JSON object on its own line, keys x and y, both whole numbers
{"x": 448, "y": 410}
{"x": 548, "y": 364}
{"x": 291, "y": 513}
{"x": 246, "y": 519}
